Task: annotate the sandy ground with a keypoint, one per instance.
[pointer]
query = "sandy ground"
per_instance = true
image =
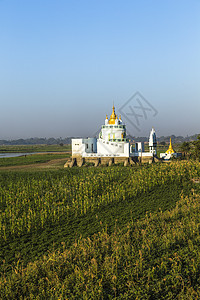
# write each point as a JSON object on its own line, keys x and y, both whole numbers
{"x": 54, "y": 163}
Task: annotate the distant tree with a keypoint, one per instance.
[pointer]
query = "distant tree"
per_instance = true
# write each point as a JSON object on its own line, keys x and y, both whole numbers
{"x": 61, "y": 144}
{"x": 162, "y": 143}
{"x": 185, "y": 148}
{"x": 196, "y": 150}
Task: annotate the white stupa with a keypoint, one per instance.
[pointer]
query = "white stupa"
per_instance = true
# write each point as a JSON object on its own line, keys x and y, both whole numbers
{"x": 153, "y": 142}
{"x": 112, "y": 141}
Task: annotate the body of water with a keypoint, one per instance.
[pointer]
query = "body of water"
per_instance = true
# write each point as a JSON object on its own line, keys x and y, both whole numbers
{"x": 6, "y": 155}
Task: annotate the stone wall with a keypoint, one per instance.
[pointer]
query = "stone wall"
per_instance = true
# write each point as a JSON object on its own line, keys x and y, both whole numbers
{"x": 106, "y": 161}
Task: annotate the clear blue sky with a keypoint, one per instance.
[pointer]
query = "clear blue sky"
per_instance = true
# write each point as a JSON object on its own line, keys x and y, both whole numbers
{"x": 63, "y": 63}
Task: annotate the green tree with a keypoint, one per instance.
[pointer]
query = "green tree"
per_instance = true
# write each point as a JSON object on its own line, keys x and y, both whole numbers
{"x": 196, "y": 150}
{"x": 163, "y": 143}
{"x": 185, "y": 148}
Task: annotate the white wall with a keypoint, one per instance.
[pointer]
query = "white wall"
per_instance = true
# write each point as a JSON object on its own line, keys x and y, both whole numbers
{"x": 112, "y": 148}
{"x": 141, "y": 154}
{"x": 78, "y": 148}
{"x": 112, "y": 132}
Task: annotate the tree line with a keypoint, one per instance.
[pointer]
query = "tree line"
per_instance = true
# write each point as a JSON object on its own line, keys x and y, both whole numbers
{"x": 191, "y": 149}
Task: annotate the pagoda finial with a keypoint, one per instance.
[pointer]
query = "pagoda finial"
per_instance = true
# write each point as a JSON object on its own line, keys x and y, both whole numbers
{"x": 113, "y": 115}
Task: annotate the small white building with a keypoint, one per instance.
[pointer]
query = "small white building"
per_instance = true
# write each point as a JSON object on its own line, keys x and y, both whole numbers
{"x": 170, "y": 153}
{"x": 84, "y": 146}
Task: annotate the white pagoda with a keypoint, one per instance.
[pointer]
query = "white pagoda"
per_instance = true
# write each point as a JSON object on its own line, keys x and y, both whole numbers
{"x": 112, "y": 141}
{"x": 112, "y": 137}
{"x": 153, "y": 142}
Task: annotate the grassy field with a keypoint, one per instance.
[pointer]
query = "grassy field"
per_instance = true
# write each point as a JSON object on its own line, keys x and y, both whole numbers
{"x": 34, "y": 148}
{"x": 99, "y": 233}
{"x": 32, "y": 159}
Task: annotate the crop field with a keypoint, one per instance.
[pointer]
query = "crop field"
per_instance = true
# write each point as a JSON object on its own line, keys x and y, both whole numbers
{"x": 100, "y": 233}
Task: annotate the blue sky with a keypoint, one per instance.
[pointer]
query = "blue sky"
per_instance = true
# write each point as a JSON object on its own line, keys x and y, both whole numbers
{"x": 63, "y": 63}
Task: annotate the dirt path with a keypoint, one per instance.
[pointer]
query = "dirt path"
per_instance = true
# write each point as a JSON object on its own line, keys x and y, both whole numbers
{"x": 54, "y": 163}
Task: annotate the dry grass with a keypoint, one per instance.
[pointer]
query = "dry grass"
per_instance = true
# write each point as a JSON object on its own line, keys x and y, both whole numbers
{"x": 52, "y": 164}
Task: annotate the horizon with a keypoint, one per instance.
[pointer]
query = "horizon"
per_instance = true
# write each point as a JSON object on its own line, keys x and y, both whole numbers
{"x": 64, "y": 64}
{"x": 70, "y": 137}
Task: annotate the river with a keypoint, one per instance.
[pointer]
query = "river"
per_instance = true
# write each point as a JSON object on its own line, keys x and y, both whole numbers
{"x": 6, "y": 155}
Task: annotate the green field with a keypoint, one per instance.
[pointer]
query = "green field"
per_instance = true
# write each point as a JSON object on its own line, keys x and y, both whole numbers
{"x": 100, "y": 233}
{"x": 31, "y": 159}
{"x": 34, "y": 148}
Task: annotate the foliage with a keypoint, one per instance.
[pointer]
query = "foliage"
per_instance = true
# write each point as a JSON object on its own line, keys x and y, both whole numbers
{"x": 196, "y": 145}
{"x": 185, "y": 147}
{"x": 136, "y": 260}
{"x": 34, "y": 244}
{"x": 154, "y": 258}
{"x": 191, "y": 149}
{"x": 30, "y": 203}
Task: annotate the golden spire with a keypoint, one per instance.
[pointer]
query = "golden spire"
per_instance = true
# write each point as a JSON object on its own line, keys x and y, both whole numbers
{"x": 170, "y": 150}
{"x": 113, "y": 116}
{"x": 106, "y": 117}
{"x": 120, "y": 118}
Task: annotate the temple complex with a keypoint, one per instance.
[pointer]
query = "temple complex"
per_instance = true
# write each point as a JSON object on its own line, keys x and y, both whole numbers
{"x": 112, "y": 145}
